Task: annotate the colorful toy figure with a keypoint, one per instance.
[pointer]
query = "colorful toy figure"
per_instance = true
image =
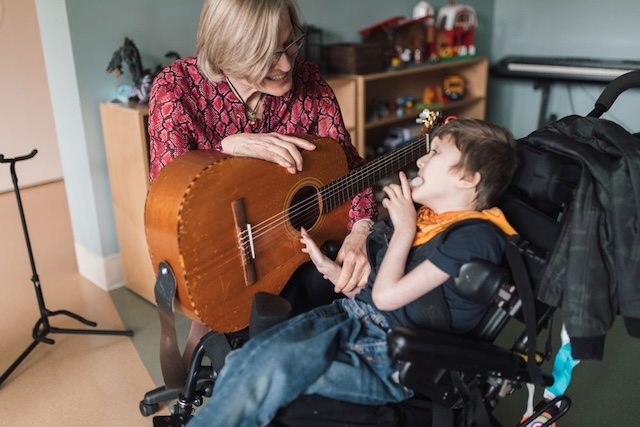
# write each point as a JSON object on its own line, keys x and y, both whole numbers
{"x": 128, "y": 55}
{"x": 426, "y": 12}
{"x": 455, "y": 27}
{"x": 432, "y": 96}
{"x": 454, "y": 87}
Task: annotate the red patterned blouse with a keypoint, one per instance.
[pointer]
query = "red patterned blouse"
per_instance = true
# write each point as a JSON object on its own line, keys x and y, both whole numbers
{"x": 188, "y": 112}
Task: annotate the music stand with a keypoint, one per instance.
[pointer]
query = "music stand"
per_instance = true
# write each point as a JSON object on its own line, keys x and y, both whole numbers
{"x": 42, "y": 327}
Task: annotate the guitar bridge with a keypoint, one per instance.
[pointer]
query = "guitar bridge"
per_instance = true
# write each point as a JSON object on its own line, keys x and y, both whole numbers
{"x": 245, "y": 241}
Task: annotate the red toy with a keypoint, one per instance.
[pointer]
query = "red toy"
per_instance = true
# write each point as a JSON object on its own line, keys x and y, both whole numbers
{"x": 455, "y": 26}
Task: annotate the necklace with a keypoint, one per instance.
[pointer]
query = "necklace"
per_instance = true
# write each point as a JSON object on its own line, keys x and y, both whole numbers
{"x": 251, "y": 113}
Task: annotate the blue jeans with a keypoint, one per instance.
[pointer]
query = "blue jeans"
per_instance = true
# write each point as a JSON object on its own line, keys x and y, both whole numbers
{"x": 338, "y": 351}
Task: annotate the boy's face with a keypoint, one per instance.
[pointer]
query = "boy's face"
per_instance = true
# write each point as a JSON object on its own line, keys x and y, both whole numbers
{"x": 439, "y": 178}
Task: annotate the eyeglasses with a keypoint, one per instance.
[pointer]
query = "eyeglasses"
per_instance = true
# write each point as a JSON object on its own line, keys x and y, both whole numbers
{"x": 291, "y": 50}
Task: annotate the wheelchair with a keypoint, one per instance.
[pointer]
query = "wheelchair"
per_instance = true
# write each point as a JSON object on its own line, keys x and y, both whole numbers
{"x": 457, "y": 380}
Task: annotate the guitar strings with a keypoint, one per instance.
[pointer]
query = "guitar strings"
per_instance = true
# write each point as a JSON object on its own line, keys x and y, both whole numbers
{"x": 311, "y": 201}
{"x": 339, "y": 185}
{"x": 335, "y": 188}
{"x": 269, "y": 225}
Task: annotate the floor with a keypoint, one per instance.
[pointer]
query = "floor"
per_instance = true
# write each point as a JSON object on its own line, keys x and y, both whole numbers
{"x": 82, "y": 379}
{"x": 98, "y": 380}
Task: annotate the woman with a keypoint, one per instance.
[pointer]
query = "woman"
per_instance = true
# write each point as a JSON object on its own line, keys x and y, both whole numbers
{"x": 244, "y": 93}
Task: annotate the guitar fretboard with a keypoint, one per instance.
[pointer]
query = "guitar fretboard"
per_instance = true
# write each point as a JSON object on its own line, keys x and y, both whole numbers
{"x": 343, "y": 189}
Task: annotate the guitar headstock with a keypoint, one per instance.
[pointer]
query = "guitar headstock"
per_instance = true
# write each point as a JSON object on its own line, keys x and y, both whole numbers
{"x": 430, "y": 120}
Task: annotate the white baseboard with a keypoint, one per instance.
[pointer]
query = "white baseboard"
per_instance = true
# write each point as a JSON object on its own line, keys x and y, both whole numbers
{"x": 105, "y": 273}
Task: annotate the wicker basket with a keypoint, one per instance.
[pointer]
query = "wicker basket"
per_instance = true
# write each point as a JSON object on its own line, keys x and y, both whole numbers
{"x": 355, "y": 58}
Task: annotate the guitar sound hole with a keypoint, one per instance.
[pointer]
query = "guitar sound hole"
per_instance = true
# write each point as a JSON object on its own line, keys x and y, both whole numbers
{"x": 305, "y": 208}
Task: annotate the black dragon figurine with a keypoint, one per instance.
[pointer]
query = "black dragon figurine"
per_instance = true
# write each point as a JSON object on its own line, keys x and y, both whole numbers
{"x": 142, "y": 77}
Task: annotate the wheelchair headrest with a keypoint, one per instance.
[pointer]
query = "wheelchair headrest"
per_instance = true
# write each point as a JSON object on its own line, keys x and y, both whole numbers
{"x": 545, "y": 176}
{"x": 480, "y": 281}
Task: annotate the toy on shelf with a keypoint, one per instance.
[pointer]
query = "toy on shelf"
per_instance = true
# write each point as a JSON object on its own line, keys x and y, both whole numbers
{"x": 432, "y": 96}
{"x": 454, "y": 88}
{"x": 128, "y": 55}
{"x": 403, "y": 104}
{"x": 397, "y": 136}
{"x": 424, "y": 38}
{"x": 425, "y": 10}
{"x": 455, "y": 27}
{"x": 405, "y": 41}
{"x": 383, "y": 34}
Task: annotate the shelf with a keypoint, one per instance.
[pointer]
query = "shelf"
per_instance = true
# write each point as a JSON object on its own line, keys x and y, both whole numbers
{"x": 430, "y": 67}
{"x": 411, "y": 81}
{"x": 415, "y": 112}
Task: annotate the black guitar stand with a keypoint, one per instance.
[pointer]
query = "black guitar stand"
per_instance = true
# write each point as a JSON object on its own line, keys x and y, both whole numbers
{"x": 42, "y": 327}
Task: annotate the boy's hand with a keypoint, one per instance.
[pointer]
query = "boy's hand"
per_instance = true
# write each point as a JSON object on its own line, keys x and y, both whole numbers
{"x": 400, "y": 206}
{"x": 329, "y": 269}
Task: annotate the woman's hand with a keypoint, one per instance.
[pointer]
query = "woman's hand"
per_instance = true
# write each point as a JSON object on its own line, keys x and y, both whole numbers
{"x": 283, "y": 150}
{"x": 329, "y": 269}
{"x": 352, "y": 256}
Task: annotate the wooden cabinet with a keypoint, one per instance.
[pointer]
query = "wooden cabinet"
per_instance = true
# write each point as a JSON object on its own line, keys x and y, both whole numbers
{"x": 345, "y": 90}
{"x": 127, "y": 148}
{"x": 387, "y": 86}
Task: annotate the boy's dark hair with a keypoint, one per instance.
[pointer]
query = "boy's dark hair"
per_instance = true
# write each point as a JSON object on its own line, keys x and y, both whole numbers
{"x": 487, "y": 149}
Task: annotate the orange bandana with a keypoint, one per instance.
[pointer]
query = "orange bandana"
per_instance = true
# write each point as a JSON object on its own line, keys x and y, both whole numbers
{"x": 430, "y": 223}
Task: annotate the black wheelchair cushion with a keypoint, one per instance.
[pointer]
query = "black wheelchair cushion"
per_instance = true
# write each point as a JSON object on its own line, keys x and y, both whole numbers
{"x": 267, "y": 310}
{"x": 479, "y": 281}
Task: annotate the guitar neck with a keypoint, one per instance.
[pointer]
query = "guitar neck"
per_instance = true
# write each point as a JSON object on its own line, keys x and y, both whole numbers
{"x": 346, "y": 188}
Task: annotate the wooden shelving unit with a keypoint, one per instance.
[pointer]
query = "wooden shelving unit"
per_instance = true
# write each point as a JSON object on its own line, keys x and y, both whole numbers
{"x": 345, "y": 90}
{"x": 388, "y": 85}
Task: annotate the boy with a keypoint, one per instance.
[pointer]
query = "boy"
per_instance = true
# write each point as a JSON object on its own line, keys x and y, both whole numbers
{"x": 340, "y": 350}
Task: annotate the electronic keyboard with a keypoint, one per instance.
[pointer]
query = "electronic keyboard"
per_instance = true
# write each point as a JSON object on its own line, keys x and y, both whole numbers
{"x": 564, "y": 68}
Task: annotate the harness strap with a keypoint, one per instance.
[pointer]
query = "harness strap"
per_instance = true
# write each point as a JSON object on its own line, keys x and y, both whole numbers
{"x": 523, "y": 285}
{"x": 172, "y": 363}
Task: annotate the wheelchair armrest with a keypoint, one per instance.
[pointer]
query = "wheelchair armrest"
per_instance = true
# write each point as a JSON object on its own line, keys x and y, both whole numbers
{"x": 480, "y": 281}
{"x": 444, "y": 350}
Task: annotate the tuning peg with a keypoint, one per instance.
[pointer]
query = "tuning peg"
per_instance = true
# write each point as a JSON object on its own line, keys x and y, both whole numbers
{"x": 423, "y": 115}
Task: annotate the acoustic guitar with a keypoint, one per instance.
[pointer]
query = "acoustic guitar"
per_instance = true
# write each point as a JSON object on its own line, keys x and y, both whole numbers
{"x": 228, "y": 227}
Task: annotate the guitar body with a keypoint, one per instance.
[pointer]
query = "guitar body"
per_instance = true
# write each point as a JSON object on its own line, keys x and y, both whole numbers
{"x": 195, "y": 217}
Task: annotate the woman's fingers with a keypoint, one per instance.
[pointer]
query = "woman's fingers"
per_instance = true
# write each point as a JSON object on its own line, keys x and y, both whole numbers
{"x": 283, "y": 150}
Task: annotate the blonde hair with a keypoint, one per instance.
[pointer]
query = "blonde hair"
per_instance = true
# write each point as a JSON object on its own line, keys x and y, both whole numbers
{"x": 238, "y": 37}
